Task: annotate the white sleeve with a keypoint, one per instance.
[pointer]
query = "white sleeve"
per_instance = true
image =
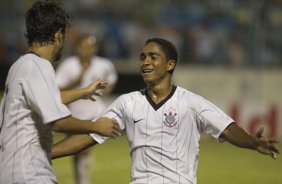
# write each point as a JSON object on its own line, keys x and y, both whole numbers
{"x": 43, "y": 95}
{"x": 213, "y": 121}
{"x": 114, "y": 111}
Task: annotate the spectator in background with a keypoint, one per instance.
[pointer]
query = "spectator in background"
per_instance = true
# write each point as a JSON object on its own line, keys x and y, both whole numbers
{"x": 79, "y": 71}
{"x": 206, "y": 44}
{"x": 236, "y": 53}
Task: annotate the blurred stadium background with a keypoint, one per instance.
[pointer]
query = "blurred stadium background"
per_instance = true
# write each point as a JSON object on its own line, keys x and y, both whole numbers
{"x": 230, "y": 53}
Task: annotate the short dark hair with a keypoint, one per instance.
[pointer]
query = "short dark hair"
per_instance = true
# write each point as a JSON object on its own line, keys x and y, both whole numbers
{"x": 43, "y": 20}
{"x": 167, "y": 47}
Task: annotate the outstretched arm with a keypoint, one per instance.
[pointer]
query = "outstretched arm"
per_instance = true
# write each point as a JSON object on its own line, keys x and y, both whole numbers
{"x": 72, "y": 145}
{"x": 69, "y": 96}
{"x": 239, "y": 137}
{"x": 103, "y": 126}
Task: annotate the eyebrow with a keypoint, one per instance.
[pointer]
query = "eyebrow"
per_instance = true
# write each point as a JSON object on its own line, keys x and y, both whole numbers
{"x": 150, "y": 54}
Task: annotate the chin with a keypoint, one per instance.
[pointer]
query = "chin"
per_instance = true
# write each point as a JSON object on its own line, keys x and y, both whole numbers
{"x": 147, "y": 80}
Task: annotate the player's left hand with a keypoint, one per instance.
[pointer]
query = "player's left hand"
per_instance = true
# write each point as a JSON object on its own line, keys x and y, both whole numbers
{"x": 107, "y": 127}
{"x": 92, "y": 89}
{"x": 266, "y": 146}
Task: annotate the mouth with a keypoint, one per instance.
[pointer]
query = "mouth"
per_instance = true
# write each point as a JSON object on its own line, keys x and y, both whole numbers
{"x": 147, "y": 71}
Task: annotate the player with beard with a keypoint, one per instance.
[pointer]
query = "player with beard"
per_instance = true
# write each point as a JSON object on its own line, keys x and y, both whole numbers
{"x": 32, "y": 106}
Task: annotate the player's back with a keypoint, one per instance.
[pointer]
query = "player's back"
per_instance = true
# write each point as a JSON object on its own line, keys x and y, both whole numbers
{"x": 24, "y": 139}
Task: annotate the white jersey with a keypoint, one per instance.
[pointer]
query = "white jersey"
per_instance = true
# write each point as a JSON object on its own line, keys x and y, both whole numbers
{"x": 31, "y": 101}
{"x": 100, "y": 68}
{"x": 164, "y": 138}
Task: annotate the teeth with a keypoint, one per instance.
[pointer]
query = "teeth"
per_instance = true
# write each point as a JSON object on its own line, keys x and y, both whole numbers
{"x": 147, "y": 70}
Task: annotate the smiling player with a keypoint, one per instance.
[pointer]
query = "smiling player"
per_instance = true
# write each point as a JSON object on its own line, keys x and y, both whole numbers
{"x": 163, "y": 123}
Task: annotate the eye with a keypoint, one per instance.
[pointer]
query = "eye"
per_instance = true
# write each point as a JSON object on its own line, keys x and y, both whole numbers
{"x": 154, "y": 57}
{"x": 142, "y": 57}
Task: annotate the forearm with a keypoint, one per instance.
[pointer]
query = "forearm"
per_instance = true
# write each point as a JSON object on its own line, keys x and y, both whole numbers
{"x": 239, "y": 137}
{"x": 72, "y": 145}
{"x": 102, "y": 126}
{"x": 73, "y": 125}
{"x": 83, "y": 93}
{"x": 71, "y": 85}
{"x": 73, "y": 95}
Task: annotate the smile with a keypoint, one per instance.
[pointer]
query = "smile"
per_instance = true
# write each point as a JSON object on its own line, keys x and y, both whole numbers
{"x": 147, "y": 71}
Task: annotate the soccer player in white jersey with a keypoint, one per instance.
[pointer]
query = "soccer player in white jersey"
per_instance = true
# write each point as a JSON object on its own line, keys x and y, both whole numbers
{"x": 163, "y": 124}
{"x": 79, "y": 71}
{"x": 32, "y": 106}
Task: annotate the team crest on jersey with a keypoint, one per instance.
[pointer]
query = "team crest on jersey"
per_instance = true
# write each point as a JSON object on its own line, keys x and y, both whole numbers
{"x": 169, "y": 117}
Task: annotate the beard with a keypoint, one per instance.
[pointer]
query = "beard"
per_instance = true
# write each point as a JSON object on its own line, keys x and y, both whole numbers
{"x": 58, "y": 55}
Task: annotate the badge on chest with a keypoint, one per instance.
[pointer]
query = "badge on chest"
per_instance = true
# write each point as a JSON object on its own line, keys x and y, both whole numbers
{"x": 170, "y": 117}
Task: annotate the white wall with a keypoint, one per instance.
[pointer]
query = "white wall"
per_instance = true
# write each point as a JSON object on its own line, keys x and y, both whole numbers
{"x": 252, "y": 97}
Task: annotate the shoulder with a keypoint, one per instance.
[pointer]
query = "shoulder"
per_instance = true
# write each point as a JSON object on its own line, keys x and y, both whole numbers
{"x": 102, "y": 61}
{"x": 190, "y": 98}
{"x": 129, "y": 98}
{"x": 69, "y": 64}
{"x": 184, "y": 93}
{"x": 72, "y": 60}
{"x": 32, "y": 63}
{"x": 131, "y": 95}
{"x": 32, "y": 69}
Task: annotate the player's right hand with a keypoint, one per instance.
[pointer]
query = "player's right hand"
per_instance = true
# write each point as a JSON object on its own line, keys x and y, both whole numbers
{"x": 107, "y": 127}
{"x": 93, "y": 89}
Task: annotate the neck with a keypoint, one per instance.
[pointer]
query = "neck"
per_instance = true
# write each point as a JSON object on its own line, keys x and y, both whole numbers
{"x": 159, "y": 91}
{"x": 85, "y": 61}
{"x": 45, "y": 52}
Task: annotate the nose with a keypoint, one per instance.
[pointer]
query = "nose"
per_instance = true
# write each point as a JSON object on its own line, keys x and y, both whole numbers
{"x": 147, "y": 60}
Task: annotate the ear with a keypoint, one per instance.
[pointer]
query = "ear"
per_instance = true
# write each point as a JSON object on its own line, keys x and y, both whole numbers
{"x": 171, "y": 65}
{"x": 59, "y": 36}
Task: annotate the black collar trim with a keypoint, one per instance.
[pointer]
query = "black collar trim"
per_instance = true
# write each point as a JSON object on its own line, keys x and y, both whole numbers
{"x": 31, "y": 52}
{"x": 152, "y": 103}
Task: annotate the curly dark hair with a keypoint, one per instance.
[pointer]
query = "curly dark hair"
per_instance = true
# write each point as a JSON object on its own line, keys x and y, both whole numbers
{"x": 43, "y": 20}
{"x": 167, "y": 47}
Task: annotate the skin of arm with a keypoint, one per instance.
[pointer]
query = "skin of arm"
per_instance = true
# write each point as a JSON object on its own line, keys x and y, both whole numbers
{"x": 102, "y": 126}
{"x": 71, "y": 145}
{"x": 239, "y": 137}
{"x": 69, "y": 96}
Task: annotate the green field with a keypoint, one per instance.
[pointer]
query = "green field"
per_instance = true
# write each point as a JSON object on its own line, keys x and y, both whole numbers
{"x": 218, "y": 164}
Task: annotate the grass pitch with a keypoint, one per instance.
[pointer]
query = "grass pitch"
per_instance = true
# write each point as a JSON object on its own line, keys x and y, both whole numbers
{"x": 219, "y": 163}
